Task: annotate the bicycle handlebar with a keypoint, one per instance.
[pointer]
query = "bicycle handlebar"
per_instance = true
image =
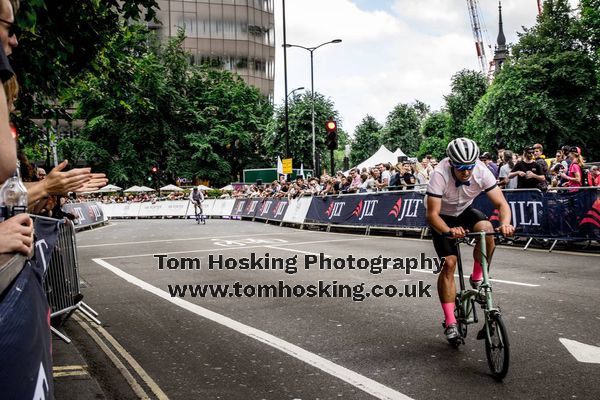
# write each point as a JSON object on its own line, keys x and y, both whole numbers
{"x": 478, "y": 234}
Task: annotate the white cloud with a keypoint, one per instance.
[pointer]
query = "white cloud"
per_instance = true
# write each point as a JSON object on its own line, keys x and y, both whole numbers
{"x": 405, "y": 50}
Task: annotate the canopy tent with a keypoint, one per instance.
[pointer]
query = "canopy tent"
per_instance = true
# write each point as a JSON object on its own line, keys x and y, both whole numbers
{"x": 107, "y": 189}
{"x": 132, "y": 189}
{"x": 383, "y": 155}
{"x": 228, "y": 187}
{"x": 202, "y": 187}
{"x": 399, "y": 153}
{"x": 171, "y": 188}
{"x": 145, "y": 189}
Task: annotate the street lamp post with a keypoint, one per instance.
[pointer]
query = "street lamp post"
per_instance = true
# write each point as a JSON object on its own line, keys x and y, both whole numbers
{"x": 295, "y": 90}
{"x": 312, "y": 90}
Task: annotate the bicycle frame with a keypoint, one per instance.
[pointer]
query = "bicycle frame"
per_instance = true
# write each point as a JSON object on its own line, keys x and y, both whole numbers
{"x": 465, "y": 296}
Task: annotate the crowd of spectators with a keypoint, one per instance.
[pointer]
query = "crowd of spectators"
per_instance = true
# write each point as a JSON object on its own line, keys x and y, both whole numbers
{"x": 530, "y": 169}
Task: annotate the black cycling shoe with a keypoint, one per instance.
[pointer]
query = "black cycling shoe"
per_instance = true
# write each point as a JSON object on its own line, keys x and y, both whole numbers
{"x": 451, "y": 332}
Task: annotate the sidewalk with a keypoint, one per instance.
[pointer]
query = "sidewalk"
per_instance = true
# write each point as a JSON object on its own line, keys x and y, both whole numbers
{"x": 72, "y": 380}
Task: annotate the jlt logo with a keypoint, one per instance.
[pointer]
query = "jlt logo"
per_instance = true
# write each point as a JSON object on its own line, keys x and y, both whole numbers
{"x": 410, "y": 208}
{"x": 41, "y": 246}
{"x": 95, "y": 212}
{"x": 525, "y": 207}
{"x": 252, "y": 206}
{"x": 79, "y": 213}
{"x": 266, "y": 207}
{"x": 337, "y": 209}
{"x": 368, "y": 209}
{"x": 240, "y": 207}
{"x": 280, "y": 209}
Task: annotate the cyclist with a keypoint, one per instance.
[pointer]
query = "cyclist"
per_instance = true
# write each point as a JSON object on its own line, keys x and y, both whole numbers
{"x": 197, "y": 197}
{"x": 454, "y": 184}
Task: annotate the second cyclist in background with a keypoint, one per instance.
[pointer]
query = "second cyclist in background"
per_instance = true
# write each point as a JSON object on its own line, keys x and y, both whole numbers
{"x": 197, "y": 197}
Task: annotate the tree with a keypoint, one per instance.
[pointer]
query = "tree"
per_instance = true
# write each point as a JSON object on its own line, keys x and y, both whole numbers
{"x": 436, "y": 135}
{"x": 300, "y": 130}
{"x": 366, "y": 139}
{"x": 146, "y": 106}
{"x": 60, "y": 40}
{"x": 547, "y": 93}
{"x": 402, "y": 128}
{"x": 467, "y": 87}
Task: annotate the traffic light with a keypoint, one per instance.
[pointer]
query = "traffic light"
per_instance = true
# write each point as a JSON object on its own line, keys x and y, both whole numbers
{"x": 331, "y": 140}
{"x": 154, "y": 169}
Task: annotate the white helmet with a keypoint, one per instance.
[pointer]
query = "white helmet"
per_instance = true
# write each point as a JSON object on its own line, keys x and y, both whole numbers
{"x": 462, "y": 151}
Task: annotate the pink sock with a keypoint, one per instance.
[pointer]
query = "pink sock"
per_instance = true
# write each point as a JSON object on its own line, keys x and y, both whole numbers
{"x": 449, "y": 313}
{"x": 477, "y": 274}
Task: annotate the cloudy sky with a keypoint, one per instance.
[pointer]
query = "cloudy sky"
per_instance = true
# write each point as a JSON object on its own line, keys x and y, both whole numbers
{"x": 392, "y": 51}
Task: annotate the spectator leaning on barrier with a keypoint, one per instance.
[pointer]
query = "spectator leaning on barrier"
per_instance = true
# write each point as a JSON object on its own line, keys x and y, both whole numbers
{"x": 540, "y": 158}
{"x": 575, "y": 172}
{"x": 505, "y": 170}
{"x": 594, "y": 176}
{"x": 8, "y": 41}
{"x": 490, "y": 164}
{"x": 528, "y": 171}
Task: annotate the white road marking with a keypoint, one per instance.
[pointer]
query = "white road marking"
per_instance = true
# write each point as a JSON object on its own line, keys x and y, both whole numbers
{"x": 188, "y": 239}
{"x": 361, "y": 382}
{"x": 296, "y": 251}
{"x": 582, "y": 352}
{"x": 221, "y": 249}
{"x": 493, "y": 280}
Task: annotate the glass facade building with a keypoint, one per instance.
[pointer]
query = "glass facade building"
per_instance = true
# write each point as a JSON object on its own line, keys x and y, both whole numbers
{"x": 236, "y": 35}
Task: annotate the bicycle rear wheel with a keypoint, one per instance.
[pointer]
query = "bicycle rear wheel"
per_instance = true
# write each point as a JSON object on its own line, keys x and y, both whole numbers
{"x": 497, "y": 348}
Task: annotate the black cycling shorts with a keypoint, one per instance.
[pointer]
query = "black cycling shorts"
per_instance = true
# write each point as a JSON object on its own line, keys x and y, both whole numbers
{"x": 445, "y": 246}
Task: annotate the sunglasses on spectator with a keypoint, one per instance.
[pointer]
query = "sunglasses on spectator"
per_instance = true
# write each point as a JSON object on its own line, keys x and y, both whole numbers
{"x": 13, "y": 29}
{"x": 463, "y": 167}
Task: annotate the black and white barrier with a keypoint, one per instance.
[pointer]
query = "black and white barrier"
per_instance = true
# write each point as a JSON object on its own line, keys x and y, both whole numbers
{"x": 87, "y": 214}
{"x": 562, "y": 215}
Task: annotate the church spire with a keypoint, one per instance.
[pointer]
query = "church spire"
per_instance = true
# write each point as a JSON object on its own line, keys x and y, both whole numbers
{"x": 501, "y": 49}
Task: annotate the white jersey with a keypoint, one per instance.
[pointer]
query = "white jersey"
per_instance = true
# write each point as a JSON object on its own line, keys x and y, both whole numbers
{"x": 456, "y": 199}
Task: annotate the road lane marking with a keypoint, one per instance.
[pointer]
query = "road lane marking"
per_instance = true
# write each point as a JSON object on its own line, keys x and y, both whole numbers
{"x": 361, "y": 382}
{"x": 69, "y": 370}
{"x": 582, "y": 352}
{"x": 135, "y": 386}
{"x": 493, "y": 280}
{"x": 296, "y": 251}
{"x": 188, "y": 239}
{"x": 221, "y": 249}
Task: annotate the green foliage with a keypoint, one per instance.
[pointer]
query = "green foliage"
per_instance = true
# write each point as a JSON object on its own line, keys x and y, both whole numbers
{"x": 467, "y": 87}
{"x": 366, "y": 140}
{"x": 300, "y": 130}
{"x": 145, "y": 106}
{"x": 436, "y": 133}
{"x": 547, "y": 93}
{"x": 60, "y": 39}
{"x": 402, "y": 127}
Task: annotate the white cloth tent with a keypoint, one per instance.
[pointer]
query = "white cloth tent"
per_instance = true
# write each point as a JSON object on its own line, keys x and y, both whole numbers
{"x": 171, "y": 188}
{"x": 145, "y": 189}
{"x": 132, "y": 189}
{"x": 202, "y": 187}
{"x": 108, "y": 189}
{"x": 399, "y": 153}
{"x": 228, "y": 187}
{"x": 383, "y": 155}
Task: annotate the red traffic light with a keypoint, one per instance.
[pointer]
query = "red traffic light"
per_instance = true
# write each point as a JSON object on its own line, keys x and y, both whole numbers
{"x": 154, "y": 169}
{"x": 331, "y": 126}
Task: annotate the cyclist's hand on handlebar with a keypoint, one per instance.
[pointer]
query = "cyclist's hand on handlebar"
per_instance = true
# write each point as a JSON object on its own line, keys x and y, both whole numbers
{"x": 457, "y": 232}
{"x": 506, "y": 230}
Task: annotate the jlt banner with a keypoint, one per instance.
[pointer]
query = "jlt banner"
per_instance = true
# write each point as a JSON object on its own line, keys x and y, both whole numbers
{"x": 555, "y": 215}
{"x": 382, "y": 209}
{"x": 272, "y": 209}
{"x": 87, "y": 213}
{"x": 25, "y": 355}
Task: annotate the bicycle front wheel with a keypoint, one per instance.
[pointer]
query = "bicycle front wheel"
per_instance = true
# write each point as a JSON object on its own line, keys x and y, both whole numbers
{"x": 497, "y": 348}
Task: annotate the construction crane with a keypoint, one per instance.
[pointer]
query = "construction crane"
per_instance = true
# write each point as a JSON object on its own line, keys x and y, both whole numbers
{"x": 478, "y": 31}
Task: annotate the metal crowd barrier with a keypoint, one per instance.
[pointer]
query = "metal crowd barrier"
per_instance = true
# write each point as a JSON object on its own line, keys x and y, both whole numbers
{"x": 61, "y": 282}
